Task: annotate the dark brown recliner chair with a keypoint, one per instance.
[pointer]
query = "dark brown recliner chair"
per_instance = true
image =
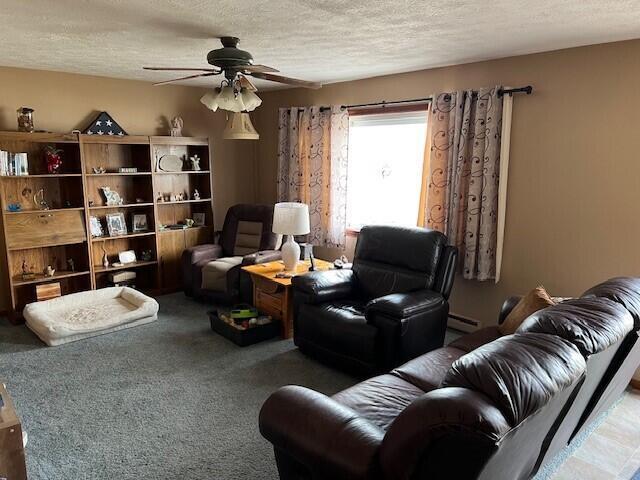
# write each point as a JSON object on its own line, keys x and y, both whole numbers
{"x": 213, "y": 271}
{"x": 389, "y": 308}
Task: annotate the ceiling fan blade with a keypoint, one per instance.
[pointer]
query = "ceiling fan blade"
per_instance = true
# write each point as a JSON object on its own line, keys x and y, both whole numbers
{"x": 246, "y": 83}
{"x": 287, "y": 80}
{"x": 259, "y": 68}
{"x": 182, "y": 69}
{"x": 186, "y": 78}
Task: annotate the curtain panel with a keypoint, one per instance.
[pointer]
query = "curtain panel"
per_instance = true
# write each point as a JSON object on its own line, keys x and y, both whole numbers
{"x": 461, "y": 189}
{"x": 312, "y": 168}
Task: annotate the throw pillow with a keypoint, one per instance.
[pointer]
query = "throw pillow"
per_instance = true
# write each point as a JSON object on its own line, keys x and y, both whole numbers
{"x": 535, "y": 300}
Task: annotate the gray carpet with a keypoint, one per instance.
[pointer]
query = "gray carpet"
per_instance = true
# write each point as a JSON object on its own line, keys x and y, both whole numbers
{"x": 168, "y": 400}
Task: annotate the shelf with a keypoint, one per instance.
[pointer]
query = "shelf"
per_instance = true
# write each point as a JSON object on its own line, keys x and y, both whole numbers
{"x": 44, "y": 211}
{"x": 121, "y": 140}
{"x": 126, "y": 205}
{"x": 117, "y": 174}
{"x": 101, "y": 269}
{"x": 40, "y": 137}
{"x": 185, "y": 201}
{"x": 180, "y": 141}
{"x": 46, "y": 245}
{"x": 185, "y": 172}
{"x": 40, "y": 278}
{"x": 169, "y": 230}
{"x": 119, "y": 237}
{"x": 43, "y": 175}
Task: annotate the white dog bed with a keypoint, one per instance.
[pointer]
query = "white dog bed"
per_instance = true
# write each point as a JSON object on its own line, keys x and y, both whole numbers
{"x": 87, "y": 314}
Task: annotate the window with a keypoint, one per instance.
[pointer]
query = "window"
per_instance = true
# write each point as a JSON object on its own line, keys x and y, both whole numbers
{"x": 385, "y": 168}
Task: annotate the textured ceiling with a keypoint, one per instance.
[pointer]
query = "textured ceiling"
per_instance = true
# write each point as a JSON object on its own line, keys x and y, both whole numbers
{"x": 318, "y": 40}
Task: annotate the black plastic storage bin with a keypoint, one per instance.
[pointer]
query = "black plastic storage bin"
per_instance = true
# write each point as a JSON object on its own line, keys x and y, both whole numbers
{"x": 244, "y": 337}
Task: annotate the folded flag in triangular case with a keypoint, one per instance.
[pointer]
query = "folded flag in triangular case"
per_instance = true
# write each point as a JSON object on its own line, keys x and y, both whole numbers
{"x": 105, "y": 125}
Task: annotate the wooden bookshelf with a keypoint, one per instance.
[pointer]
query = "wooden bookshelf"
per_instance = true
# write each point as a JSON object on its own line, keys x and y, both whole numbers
{"x": 74, "y": 194}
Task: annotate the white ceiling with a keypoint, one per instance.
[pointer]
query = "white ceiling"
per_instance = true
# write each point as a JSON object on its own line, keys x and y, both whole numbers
{"x": 320, "y": 40}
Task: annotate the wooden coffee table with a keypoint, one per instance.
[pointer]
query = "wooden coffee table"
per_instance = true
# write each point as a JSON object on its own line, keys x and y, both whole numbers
{"x": 273, "y": 296}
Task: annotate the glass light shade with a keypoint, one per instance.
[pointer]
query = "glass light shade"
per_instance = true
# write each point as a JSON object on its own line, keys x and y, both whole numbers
{"x": 291, "y": 218}
{"x": 250, "y": 100}
{"x": 239, "y": 127}
{"x": 210, "y": 100}
{"x": 227, "y": 100}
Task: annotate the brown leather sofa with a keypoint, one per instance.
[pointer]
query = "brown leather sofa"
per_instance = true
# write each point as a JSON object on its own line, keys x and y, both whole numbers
{"x": 484, "y": 407}
{"x": 390, "y": 307}
{"x": 213, "y": 271}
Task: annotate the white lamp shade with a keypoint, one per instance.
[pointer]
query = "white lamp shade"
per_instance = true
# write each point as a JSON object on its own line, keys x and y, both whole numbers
{"x": 291, "y": 218}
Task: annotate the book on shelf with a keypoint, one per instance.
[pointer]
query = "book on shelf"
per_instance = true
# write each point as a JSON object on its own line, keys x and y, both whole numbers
{"x": 13, "y": 164}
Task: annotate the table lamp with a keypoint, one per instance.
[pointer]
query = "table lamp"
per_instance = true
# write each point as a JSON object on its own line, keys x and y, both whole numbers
{"x": 291, "y": 218}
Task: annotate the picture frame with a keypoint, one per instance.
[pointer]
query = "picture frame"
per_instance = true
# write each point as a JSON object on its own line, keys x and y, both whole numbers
{"x": 96, "y": 227}
{"x": 116, "y": 224}
{"x": 199, "y": 219}
{"x": 139, "y": 223}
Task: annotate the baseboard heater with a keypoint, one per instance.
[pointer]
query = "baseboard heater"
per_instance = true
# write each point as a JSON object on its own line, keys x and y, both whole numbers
{"x": 462, "y": 323}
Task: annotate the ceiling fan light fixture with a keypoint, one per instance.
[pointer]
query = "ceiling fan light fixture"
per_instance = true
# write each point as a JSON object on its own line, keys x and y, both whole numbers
{"x": 239, "y": 127}
{"x": 227, "y": 98}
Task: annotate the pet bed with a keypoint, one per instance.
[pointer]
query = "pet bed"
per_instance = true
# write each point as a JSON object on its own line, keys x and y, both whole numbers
{"x": 86, "y": 314}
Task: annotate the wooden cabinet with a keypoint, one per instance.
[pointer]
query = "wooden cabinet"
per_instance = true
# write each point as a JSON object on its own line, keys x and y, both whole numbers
{"x": 12, "y": 462}
{"x": 36, "y": 237}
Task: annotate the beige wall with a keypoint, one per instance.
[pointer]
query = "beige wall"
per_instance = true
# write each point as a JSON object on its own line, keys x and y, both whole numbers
{"x": 64, "y": 102}
{"x": 574, "y": 176}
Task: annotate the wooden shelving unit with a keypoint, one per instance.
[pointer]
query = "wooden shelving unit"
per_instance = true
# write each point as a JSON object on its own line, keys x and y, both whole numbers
{"x": 51, "y": 237}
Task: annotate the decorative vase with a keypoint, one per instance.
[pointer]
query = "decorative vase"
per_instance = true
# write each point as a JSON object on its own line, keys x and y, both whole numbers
{"x": 25, "y": 120}
{"x": 53, "y": 158}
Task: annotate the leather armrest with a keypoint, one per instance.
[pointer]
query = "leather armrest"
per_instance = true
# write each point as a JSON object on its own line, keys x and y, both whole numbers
{"x": 324, "y": 285}
{"x": 201, "y": 253}
{"x": 329, "y": 439}
{"x": 262, "y": 256}
{"x": 507, "y": 306}
{"x": 403, "y": 305}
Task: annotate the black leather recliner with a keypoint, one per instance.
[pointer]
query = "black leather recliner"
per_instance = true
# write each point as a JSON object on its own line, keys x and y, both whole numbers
{"x": 389, "y": 308}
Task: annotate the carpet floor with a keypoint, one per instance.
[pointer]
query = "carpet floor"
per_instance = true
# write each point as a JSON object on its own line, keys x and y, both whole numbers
{"x": 166, "y": 400}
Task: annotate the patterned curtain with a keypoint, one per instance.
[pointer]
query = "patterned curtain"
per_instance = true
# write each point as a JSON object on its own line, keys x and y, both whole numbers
{"x": 312, "y": 168}
{"x": 462, "y": 170}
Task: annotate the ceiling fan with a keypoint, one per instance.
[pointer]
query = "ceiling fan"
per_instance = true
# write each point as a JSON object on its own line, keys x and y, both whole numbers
{"x": 235, "y": 64}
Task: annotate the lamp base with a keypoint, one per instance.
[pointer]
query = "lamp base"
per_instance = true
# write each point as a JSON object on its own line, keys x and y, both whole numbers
{"x": 290, "y": 254}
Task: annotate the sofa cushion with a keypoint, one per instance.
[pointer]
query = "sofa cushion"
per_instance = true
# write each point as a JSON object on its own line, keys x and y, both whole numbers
{"x": 471, "y": 341}
{"x": 339, "y": 326}
{"x": 624, "y": 290}
{"x": 379, "y": 399}
{"x": 214, "y": 274}
{"x": 592, "y": 324}
{"x": 248, "y": 237}
{"x": 427, "y": 371}
{"x": 535, "y": 300}
{"x": 520, "y": 373}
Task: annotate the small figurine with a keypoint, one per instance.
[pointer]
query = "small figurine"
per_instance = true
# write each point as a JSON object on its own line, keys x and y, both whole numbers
{"x": 105, "y": 259}
{"x": 159, "y": 198}
{"x": 71, "y": 264}
{"x": 39, "y": 200}
{"x": 26, "y": 273}
{"x": 179, "y": 197}
{"x": 172, "y": 197}
{"x": 145, "y": 255}
{"x": 99, "y": 170}
{"x": 176, "y": 127}
{"x": 196, "y": 194}
{"x": 53, "y": 158}
{"x": 49, "y": 271}
{"x": 195, "y": 163}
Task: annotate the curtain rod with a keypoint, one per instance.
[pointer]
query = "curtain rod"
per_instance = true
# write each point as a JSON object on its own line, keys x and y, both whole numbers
{"x": 508, "y": 91}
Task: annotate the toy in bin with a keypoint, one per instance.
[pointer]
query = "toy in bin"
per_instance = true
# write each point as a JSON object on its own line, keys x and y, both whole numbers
{"x": 243, "y": 316}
